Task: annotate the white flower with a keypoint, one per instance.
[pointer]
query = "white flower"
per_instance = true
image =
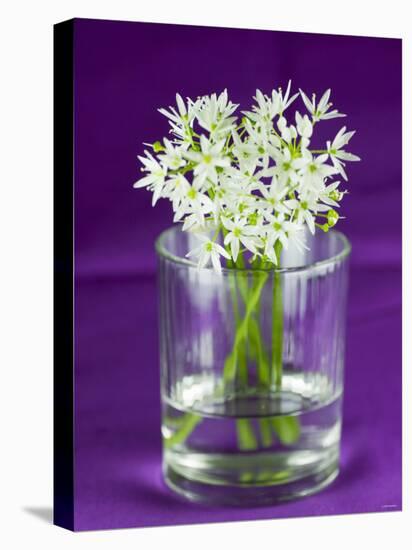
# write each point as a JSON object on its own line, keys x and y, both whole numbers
{"x": 173, "y": 156}
{"x": 213, "y": 114}
{"x": 181, "y": 119}
{"x": 238, "y": 197}
{"x": 177, "y": 188}
{"x": 336, "y": 153}
{"x": 314, "y": 170}
{"x": 284, "y": 230}
{"x": 275, "y": 229}
{"x": 155, "y": 180}
{"x": 321, "y": 110}
{"x": 196, "y": 204}
{"x": 269, "y": 107}
{"x": 286, "y": 167}
{"x": 240, "y": 232}
{"x": 274, "y": 195}
{"x": 246, "y": 153}
{"x": 264, "y": 112}
{"x": 287, "y": 132}
{"x": 207, "y": 251}
{"x": 296, "y": 235}
{"x": 261, "y": 139}
{"x": 305, "y": 209}
{"x": 207, "y": 160}
{"x": 283, "y": 100}
{"x": 330, "y": 194}
{"x": 303, "y": 125}
{"x": 195, "y": 220}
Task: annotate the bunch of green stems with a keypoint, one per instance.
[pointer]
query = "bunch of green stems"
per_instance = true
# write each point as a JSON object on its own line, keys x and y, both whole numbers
{"x": 246, "y": 287}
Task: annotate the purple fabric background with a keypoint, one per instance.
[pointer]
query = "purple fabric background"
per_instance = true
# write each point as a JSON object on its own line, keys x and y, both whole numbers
{"x": 123, "y": 73}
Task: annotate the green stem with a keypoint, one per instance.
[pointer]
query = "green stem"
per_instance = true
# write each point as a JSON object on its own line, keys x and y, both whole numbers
{"x": 189, "y": 423}
{"x": 246, "y": 438}
{"x": 277, "y": 323}
{"x": 229, "y": 369}
{"x": 287, "y": 428}
{"x": 242, "y": 359}
{"x": 242, "y": 283}
{"x": 260, "y": 355}
{"x": 236, "y": 365}
{"x": 247, "y": 332}
{"x": 266, "y": 433}
{"x": 262, "y": 359}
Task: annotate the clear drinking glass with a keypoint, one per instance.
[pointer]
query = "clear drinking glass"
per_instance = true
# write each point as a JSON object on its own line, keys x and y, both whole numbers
{"x": 252, "y": 372}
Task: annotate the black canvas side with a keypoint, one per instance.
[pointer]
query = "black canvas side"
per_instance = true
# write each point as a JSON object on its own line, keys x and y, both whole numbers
{"x": 63, "y": 514}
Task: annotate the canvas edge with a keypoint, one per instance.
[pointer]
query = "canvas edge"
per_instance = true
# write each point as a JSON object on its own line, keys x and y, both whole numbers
{"x": 63, "y": 283}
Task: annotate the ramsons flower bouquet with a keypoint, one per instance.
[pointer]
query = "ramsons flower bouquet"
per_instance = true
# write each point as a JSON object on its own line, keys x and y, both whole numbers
{"x": 248, "y": 189}
{"x": 256, "y": 181}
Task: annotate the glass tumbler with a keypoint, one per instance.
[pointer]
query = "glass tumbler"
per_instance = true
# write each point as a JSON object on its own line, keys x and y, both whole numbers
{"x": 252, "y": 372}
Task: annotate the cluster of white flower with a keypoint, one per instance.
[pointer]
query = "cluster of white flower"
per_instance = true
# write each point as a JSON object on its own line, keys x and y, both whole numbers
{"x": 251, "y": 185}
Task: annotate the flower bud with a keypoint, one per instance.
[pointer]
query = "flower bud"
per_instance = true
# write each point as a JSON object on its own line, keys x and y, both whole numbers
{"x": 336, "y": 195}
{"x": 282, "y": 124}
{"x": 333, "y": 217}
{"x": 157, "y": 147}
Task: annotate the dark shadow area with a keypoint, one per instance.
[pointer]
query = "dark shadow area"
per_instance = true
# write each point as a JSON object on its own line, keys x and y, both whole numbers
{"x": 44, "y": 513}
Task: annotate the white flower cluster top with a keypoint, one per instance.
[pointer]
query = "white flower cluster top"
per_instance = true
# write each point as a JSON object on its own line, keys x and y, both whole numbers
{"x": 252, "y": 184}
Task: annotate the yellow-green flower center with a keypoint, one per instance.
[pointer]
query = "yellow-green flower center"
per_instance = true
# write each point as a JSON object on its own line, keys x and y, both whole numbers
{"x": 192, "y": 193}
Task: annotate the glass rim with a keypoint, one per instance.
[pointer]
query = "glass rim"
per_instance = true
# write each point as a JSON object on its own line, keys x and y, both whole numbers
{"x": 332, "y": 260}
